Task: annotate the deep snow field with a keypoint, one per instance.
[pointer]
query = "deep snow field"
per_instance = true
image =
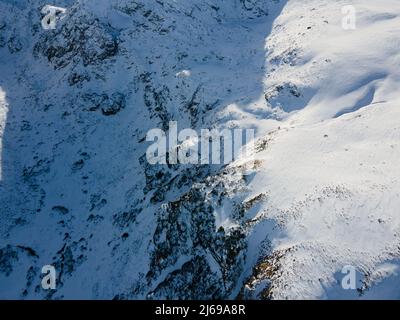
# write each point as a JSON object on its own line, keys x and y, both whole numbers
{"x": 322, "y": 193}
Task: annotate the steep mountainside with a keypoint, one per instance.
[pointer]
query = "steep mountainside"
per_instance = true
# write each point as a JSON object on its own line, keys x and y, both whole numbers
{"x": 76, "y": 189}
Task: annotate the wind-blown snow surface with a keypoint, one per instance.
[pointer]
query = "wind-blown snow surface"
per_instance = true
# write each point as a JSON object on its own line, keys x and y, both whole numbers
{"x": 76, "y": 190}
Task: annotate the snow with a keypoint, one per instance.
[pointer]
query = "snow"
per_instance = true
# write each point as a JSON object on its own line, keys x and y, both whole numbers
{"x": 331, "y": 172}
{"x": 325, "y": 184}
{"x": 3, "y": 117}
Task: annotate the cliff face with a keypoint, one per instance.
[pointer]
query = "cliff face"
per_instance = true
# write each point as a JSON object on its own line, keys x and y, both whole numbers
{"x": 78, "y": 193}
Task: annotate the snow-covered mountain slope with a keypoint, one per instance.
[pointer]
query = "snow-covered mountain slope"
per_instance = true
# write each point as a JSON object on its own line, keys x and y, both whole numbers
{"x": 77, "y": 192}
